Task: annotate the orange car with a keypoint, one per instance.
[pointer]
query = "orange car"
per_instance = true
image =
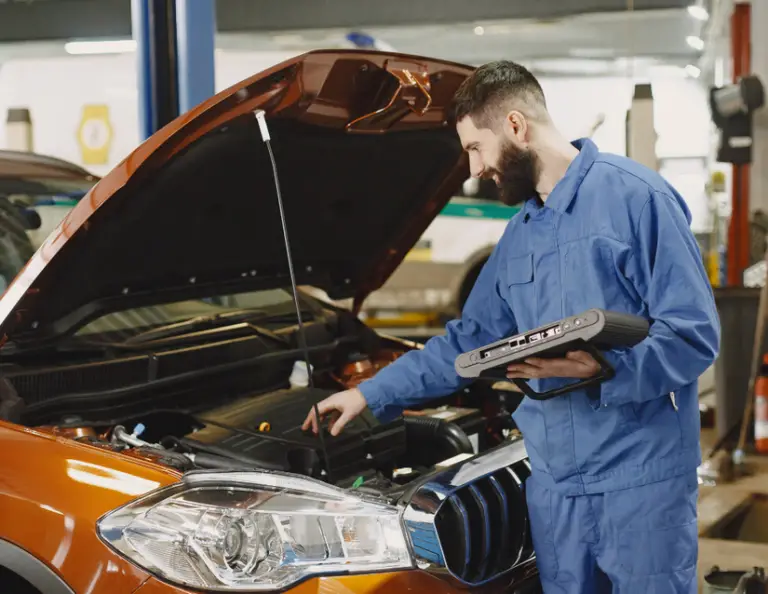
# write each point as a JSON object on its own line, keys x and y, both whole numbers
{"x": 151, "y": 386}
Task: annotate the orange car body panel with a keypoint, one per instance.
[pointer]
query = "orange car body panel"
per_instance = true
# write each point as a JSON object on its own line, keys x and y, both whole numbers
{"x": 52, "y": 493}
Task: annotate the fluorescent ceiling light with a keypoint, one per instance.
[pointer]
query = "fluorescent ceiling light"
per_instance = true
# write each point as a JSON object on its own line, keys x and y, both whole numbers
{"x": 114, "y": 46}
{"x": 695, "y": 42}
{"x": 698, "y": 12}
{"x": 693, "y": 71}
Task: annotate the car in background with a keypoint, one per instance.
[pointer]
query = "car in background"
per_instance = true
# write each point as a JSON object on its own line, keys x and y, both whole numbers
{"x": 151, "y": 394}
{"x": 36, "y": 193}
{"x": 437, "y": 275}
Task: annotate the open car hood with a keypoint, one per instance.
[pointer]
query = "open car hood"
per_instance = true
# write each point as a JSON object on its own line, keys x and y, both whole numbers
{"x": 366, "y": 160}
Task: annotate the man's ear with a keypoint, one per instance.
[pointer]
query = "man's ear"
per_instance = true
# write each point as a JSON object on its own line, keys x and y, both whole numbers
{"x": 516, "y": 127}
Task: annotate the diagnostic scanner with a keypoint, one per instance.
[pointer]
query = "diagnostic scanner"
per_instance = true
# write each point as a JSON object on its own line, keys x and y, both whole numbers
{"x": 593, "y": 331}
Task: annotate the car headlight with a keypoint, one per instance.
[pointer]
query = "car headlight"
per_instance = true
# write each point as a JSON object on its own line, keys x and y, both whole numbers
{"x": 255, "y": 531}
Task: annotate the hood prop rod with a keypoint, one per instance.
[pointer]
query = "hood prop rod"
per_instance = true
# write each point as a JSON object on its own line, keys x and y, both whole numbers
{"x": 265, "y": 136}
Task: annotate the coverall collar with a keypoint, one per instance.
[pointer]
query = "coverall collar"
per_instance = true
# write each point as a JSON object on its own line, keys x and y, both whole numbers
{"x": 565, "y": 190}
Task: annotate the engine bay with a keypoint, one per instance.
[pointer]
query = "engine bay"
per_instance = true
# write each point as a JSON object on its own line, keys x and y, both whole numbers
{"x": 186, "y": 415}
{"x": 264, "y": 432}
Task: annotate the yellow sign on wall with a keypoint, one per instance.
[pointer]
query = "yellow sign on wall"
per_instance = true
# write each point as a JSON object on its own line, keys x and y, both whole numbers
{"x": 94, "y": 135}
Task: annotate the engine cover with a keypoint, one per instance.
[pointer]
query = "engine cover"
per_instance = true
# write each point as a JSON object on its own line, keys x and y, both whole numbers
{"x": 267, "y": 428}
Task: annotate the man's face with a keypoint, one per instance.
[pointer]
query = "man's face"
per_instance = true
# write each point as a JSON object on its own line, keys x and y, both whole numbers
{"x": 501, "y": 156}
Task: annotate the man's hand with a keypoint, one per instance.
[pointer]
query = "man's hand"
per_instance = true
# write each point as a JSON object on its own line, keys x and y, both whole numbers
{"x": 576, "y": 364}
{"x": 342, "y": 407}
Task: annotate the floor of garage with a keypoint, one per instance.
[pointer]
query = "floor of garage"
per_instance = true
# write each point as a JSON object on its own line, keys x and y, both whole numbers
{"x": 718, "y": 504}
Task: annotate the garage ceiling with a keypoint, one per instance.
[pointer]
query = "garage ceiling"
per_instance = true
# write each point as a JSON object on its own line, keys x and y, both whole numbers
{"x": 591, "y": 38}
{"x": 22, "y": 20}
{"x": 597, "y": 37}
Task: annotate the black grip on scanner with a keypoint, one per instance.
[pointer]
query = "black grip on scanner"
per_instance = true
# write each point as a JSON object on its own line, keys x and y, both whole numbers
{"x": 606, "y": 372}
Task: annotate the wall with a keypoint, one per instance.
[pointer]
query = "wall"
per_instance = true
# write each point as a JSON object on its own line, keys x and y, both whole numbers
{"x": 55, "y": 89}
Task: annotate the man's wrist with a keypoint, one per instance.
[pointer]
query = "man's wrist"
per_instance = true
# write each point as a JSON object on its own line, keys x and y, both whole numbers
{"x": 381, "y": 406}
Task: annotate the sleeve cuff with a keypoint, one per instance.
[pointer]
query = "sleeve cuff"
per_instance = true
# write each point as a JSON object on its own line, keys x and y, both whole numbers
{"x": 381, "y": 406}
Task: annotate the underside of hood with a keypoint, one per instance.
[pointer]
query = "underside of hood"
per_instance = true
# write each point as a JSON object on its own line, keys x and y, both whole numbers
{"x": 366, "y": 159}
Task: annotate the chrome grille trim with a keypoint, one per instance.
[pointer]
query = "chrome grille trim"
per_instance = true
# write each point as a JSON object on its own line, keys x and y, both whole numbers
{"x": 478, "y": 507}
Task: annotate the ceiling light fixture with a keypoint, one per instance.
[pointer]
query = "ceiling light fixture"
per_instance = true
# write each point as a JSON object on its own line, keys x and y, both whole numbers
{"x": 698, "y": 11}
{"x": 693, "y": 71}
{"x": 113, "y": 46}
{"x": 695, "y": 42}
{"x": 479, "y": 30}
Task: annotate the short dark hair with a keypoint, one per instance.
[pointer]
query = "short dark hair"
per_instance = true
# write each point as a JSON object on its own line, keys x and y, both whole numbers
{"x": 493, "y": 86}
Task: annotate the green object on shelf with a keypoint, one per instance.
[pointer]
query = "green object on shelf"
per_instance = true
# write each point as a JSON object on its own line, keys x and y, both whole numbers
{"x": 358, "y": 481}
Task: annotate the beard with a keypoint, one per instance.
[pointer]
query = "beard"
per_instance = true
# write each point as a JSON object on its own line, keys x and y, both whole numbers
{"x": 517, "y": 172}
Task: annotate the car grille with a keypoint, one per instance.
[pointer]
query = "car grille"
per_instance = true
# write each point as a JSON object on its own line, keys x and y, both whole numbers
{"x": 472, "y": 520}
{"x": 483, "y": 528}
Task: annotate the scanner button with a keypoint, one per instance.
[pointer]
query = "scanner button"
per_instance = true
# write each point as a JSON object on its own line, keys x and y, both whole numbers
{"x": 567, "y": 326}
{"x": 578, "y": 322}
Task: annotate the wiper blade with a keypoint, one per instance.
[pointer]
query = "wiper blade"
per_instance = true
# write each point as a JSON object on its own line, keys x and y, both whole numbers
{"x": 203, "y": 323}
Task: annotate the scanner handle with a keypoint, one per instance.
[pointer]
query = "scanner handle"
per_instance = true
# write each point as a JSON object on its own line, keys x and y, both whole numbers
{"x": 606, "y": 372}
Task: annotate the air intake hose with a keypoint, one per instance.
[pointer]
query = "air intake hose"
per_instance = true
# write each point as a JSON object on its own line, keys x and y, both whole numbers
{"x": 432, "y": 440}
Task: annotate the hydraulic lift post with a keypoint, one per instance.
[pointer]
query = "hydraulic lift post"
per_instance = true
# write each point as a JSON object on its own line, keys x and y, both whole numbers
{"x": 175, "y": 58}
{"x": 196, "y": 40}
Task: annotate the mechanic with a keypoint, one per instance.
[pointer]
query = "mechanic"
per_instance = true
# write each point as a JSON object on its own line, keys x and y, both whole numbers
{"x": 613, "y": 491}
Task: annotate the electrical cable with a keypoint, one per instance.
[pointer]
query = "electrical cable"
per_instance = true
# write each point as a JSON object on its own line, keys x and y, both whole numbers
{"x": 265, "y": 136}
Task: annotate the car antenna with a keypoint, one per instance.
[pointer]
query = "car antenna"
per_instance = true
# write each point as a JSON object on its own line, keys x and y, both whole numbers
{"x": 262, "y": 121}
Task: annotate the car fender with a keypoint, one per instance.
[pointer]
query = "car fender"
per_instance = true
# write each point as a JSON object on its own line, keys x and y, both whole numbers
{"x": 53, "y": 492}
{"x": 29, "y": 567}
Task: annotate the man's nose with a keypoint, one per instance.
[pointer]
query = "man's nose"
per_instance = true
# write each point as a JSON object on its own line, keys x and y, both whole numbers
{"x": 475, "y": 167}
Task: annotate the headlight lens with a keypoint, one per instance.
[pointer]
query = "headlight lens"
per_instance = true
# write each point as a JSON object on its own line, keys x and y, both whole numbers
{"x": 256, "y": 531}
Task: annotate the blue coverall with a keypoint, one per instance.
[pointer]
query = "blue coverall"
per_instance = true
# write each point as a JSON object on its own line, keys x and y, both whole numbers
{"x": 614, "y": 482}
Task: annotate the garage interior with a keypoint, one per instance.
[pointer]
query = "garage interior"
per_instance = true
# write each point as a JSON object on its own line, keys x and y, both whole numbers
{"x": 94, "y": 94}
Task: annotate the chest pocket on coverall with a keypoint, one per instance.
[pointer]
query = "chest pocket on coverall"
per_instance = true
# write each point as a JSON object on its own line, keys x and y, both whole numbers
{"x": 521, "y": 290}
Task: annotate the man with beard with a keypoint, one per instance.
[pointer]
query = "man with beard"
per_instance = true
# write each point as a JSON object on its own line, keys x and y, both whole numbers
{"x": 613, "y": 490}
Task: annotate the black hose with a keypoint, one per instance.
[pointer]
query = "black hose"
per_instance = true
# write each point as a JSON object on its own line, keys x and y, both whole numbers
{"x": 432, "y": 440}
{"x": 221, "y": 452}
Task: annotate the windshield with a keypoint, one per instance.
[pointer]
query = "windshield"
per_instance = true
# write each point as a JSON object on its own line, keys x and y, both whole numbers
{"x": 21, "y": 233}
{"x": 272, "y": 303}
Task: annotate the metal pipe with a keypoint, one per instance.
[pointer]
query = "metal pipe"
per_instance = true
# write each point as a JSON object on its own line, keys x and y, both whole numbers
{"x": 120, "y": 434}
{"x": 738, "y": 228}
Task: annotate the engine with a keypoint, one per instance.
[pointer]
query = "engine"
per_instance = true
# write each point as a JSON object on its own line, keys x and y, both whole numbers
{"x": 264, "y": 431}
